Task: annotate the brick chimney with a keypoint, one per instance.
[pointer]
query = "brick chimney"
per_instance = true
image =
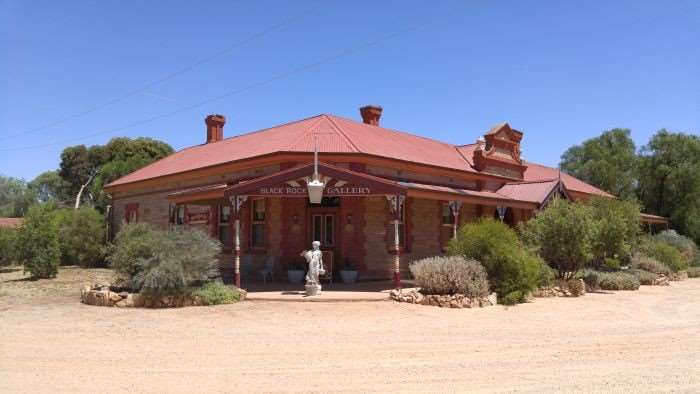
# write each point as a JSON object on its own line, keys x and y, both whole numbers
{"x": 215, "y": 127}
{"x": 371, "y": 114}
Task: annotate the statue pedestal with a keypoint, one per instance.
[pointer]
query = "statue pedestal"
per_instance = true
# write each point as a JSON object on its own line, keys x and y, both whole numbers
{"x": 313, "y": 290}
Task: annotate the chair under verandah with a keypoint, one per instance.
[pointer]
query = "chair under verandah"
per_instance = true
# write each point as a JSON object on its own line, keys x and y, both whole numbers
{"x": 269, "y": 268}
{"x": 247, "y": 267}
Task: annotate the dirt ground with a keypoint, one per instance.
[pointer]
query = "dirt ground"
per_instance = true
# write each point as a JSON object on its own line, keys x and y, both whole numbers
{"x": 642, "y": 341}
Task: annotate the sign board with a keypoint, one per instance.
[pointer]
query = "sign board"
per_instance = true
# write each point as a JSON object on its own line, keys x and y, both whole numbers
{"x": 198, "y": 218}
{"x": 301, "y": 191}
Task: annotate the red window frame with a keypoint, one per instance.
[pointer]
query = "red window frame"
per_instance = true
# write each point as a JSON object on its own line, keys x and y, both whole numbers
{"x": 131, "y": 211}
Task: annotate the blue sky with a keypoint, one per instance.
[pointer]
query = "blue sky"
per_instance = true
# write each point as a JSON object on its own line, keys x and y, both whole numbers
{"x": 561, "y": 72}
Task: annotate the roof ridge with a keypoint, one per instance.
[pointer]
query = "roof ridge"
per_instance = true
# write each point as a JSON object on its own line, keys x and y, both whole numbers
{"x": 339, "y": 130}
{"x": 265, "y": 129}
{"x": 303, "y": 134}
{"x": 394, "y": 130}
{"x": 533, "y": 181}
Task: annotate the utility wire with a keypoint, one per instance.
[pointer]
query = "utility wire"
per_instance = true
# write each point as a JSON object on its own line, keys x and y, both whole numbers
{"x": 167, "y": 77}
{"x": 337, "y": 55}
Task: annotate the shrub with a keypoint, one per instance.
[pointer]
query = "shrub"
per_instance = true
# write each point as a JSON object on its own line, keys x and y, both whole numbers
{"x": 591, "y": 279}
{"x": 182, "y": 258}
{"x": 683, "y": 244}
{"x": 450, "y": 275}
{"x": 81, "y": 234}
{"x": 645, "y": 277}
{"x": 563, "y": 233}
{"x": 37, "y": 242}
{"x": 616, "y": 227}
{"x": 216, "y": 293}
{"x": 8, "y": 250}
{"x": 610, "y": 265}
{"x": 132, "y": 243}
{"x": 666, "y": 254}
{"x": 617, "y": 281}
{"x": 545, "y": 275}
{"x": 647, "y": 263}
{"x": 510, "y": 267}
{"x": 694, "y": 272}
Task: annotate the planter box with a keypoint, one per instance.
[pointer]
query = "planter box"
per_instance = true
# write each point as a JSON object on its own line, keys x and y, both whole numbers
{"x": 348, "y": 277}
{"x": 296, "y": 276}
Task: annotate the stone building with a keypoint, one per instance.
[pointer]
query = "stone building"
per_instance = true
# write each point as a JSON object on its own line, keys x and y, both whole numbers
{"x": 389, "y": 197}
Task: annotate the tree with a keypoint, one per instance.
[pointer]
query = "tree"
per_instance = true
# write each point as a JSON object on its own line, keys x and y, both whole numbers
{"x": 608, "y": 162}
{"x": 669, "y": 180}
{"x": 563, "y": 234}
{"x": 82, "y": 235}
{"x": 617, "y": 228}
{"x": 15, "y": 197}
{"x": 50, "y": 187}
{"x": 86, "y": 170}
{"x": 37, "y": 242}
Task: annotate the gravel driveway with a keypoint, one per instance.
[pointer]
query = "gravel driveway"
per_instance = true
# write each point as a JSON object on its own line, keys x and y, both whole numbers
{"x": 641, "y": 341}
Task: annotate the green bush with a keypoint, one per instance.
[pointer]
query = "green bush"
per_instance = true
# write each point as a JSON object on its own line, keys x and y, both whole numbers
{"x": 181, "y": 258}
{"x": 617, "y": 281}
{"x": 616, "y": 227}
{"x": 610, "y": 265}
{"x": 216, "y": 293}
{"x": 8, "y": 250}
{"x": 133, "y": 243}
{"x": 81, "y": 236}
{"x": 683, "y": 244}
{"x": 563, "y": 234}
{"x": 645, "y": 277}
{"x": 591, "y": 278}
{"x": 38, "y": 248}
{"x": 510, "y": 267}
{"x": 545, "y": 275}
{"x": 646, "y": 263}
{"x": 666, "y": 254}
{"x": 450, "y": 275}
{"x": 694, "y": 272}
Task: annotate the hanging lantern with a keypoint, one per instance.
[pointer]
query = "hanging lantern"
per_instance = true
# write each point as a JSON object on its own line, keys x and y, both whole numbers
{"x": 315, "y": 189}
{"x": 501, "y": 211}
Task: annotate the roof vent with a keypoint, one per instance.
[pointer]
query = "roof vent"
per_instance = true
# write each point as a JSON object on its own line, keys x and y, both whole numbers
{"x": 215, "y": 127}
{"x": 371, "y": 114}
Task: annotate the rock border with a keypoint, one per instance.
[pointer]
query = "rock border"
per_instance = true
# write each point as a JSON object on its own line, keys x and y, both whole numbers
{"x": 414, "y": 296}
{"x": 103, "y": 295}
{"x": 571, "y": 288}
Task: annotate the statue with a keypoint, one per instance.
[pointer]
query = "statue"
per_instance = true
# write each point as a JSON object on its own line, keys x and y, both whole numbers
{"x": 314, "y": 258}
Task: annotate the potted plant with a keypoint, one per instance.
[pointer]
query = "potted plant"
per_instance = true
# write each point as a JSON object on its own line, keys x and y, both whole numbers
{"x": 296, "y": 273}
{"x": 349, "y": 273}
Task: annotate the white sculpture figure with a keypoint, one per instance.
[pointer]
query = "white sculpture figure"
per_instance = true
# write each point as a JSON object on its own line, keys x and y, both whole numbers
{"x": 314, "y": 258}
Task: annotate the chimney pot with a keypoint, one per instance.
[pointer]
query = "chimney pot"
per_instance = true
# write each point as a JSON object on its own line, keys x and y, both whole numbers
{"x": 371, "y": 114}
{"x": 215, "y": 127}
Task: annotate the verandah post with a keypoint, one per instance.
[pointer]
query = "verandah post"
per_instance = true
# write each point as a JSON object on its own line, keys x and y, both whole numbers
{"x": 396, "y": 206}
{"x": 455, "y": 207}
{"x": 236, "y": 204}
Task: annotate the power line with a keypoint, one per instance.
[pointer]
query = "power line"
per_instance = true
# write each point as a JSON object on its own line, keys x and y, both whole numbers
{"x": 167, "y": 77}
{"x": 337, "y": 55}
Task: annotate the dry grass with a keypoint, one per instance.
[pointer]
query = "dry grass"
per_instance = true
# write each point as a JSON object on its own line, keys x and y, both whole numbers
{"x": 642, "y": 341}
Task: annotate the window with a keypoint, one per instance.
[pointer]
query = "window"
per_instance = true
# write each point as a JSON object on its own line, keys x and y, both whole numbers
{"x": 257, "y": 228}
{"x": 179, "y": 215}
{"x": 447, "y": 216}
{"x": 131, "y": 213}
{"x": 323, "y": 229}
{"x": 224, "y": 224}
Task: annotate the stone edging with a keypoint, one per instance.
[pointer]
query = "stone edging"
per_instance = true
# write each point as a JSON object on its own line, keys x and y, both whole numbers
{"x": 414, "y": 296}
{"x": 101, "y": 295}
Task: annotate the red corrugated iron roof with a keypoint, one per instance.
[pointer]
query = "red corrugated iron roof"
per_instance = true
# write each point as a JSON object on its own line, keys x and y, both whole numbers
{"x": 536, "y": 191}
{"x": 337, "y": 135}
{"x": 11, "y": 222}
{"x": 538, "y": 172}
